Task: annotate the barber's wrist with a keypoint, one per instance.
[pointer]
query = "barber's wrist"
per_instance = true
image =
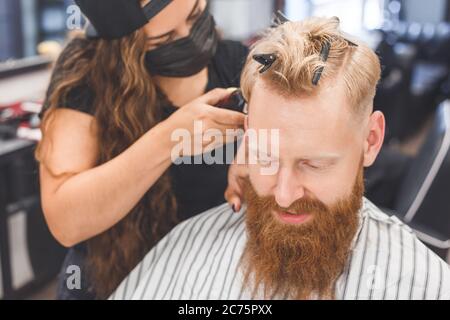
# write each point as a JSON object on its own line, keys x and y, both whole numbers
{"x": 163, "y": 135}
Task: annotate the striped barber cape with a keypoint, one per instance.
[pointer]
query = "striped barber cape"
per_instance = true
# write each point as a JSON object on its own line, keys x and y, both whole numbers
{"x": 199, "y": 259}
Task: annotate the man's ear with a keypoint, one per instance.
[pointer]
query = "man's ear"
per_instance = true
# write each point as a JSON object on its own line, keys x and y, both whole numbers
{"x": 375, "y": 138}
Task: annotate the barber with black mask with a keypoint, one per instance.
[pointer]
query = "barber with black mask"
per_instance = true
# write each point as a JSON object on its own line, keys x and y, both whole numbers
{"x": 143, "y": 71}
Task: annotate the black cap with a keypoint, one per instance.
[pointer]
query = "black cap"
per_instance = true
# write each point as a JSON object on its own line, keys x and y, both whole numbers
{"x": 113, "y": 19}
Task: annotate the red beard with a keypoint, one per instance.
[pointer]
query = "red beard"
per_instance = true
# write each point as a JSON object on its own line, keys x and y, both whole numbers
{"x": 296, "y": 261}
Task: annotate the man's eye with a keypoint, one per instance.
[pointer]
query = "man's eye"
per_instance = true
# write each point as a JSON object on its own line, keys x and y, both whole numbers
{"x": 312, "y": 166}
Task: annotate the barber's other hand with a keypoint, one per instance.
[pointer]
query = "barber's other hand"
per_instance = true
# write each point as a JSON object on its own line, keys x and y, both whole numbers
{"x": 237, "y": 174}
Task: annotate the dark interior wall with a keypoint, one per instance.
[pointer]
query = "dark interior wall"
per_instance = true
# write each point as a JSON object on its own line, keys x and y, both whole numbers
{"x": 11, "y": 38}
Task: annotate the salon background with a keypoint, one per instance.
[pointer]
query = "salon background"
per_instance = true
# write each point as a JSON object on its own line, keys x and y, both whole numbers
{"x": 411, "y": 181}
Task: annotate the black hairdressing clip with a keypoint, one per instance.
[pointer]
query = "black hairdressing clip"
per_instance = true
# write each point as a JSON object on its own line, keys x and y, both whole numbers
{"x": 350, "y": 42}
{"x": 324, "y": 54}
{"x": 266, "y": 60}
{"x": 338, "y": 21}
{"x": 279, "y": 19}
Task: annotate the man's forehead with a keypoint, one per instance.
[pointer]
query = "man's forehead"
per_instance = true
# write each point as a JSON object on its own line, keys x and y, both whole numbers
{"x": 315, "y": 128}
{"x": 327, "y": 109}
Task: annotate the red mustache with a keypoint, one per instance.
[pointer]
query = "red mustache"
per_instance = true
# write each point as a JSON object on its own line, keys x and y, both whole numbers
{"x": 304, "y": 205}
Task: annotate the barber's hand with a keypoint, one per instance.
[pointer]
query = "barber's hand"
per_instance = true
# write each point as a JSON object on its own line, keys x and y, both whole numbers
{"x": 237, "y": 174}
{"x": 202, "y": 109}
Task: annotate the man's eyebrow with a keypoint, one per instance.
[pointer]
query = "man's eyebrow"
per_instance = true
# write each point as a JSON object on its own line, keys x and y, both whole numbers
{"x": 168, "y": 34}
{"x": 322, "y": 156}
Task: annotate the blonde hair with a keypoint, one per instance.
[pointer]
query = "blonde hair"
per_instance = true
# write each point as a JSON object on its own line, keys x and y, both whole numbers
{"x": 297, "y": 47}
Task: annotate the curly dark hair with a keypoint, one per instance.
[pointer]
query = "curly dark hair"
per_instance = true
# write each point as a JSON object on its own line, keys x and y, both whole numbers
{"x": 127, "y": 104}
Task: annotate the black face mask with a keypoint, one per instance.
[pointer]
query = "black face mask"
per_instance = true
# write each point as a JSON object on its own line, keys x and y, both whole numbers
{"x": 186, "y": 56}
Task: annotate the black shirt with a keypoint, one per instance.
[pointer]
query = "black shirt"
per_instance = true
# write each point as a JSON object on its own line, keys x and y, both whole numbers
{"x": 197, "y": 187}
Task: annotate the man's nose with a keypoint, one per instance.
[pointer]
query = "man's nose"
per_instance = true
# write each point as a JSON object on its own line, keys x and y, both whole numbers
{"x": 288, "y": 188}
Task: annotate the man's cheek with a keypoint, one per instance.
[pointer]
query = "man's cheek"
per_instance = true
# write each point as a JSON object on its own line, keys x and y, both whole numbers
{"x": 329, "y": 192}
{"x": 262, "y": 184}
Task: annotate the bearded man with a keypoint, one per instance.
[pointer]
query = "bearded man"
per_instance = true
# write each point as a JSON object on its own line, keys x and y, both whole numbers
{"x": 306, "y": 232}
